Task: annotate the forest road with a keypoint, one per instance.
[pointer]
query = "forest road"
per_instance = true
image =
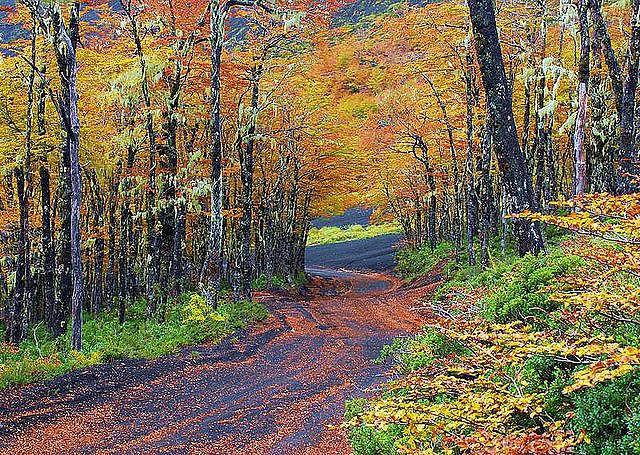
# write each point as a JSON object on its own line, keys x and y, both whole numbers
{"x": 275, "y": 388}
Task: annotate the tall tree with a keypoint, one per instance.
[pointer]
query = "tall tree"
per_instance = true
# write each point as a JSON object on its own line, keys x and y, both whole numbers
{"x": 583, "y": 84}
{"x": 624, "y": 88}
{"x": 210, "y": 276}
{"x": 65, "y": 40}
{"x": 511, "y": 160}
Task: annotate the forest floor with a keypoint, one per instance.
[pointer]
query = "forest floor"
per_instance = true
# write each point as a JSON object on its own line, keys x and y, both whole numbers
{"x": 275, "y": 388}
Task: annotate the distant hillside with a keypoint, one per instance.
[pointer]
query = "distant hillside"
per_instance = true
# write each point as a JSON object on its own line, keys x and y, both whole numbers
{"x": 9, "y": 32}
{"x": 350, "y": 15}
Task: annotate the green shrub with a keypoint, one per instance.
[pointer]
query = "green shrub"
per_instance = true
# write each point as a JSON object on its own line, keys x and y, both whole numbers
{"x": 413, "y": 262}
{"x": 610, "y": 415}
{"x": 415, "y": 352}
{"x": 369, "y": 441}
{"x": 260, "y": 283}
{"x": 520, "y": 292}
{"x": 187, "y": 321}
{"x": 354, "y": 407}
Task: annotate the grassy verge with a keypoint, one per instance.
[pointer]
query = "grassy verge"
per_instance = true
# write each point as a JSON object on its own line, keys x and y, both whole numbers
{"x": 330, "y": 234}
{"x": 187, "y": 321}
{"x": 260, "y": 283}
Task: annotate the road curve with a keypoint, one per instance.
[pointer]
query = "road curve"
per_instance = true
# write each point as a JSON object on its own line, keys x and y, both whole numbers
{"x": 273, "y": 389}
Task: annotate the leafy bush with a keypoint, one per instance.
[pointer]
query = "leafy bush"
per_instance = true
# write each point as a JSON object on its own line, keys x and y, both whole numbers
{"x": 412, "y": 353}
{"x": 185, "y": 322}
{"x": 260, "y": 283}
{"x": 370, "y": 441}
{"x": 610, "y": 415}
{"x": 522, "y": 291}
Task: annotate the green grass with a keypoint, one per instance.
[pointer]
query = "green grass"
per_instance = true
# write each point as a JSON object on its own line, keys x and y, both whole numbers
{"x": 185, "y": 322}
{"x": 260, "y": 283}
{"x": 331, "y": 234}
{"x": 369, "y": 441}
{"x": 414, "y": 262}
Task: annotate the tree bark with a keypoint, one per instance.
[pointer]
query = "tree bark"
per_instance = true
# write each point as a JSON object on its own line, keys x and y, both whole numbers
{"x": 485, "y": 220}
{"x": 511, "y": 161}
{"x": 210, "y": 276}
{"x": 624, "y": 92}
{"x": 246, "y": 176}
{"x": 65, "y": 41}
{"x": 472, "y": 201}
{"x": 580, "y": 162}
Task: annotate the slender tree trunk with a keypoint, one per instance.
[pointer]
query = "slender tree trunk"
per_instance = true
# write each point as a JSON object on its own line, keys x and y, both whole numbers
{"x": 471, "y": 195}
{"x": 629, "y": 157}
{"x": 73, "y": 134}
{"x": 112, "y": 281}
{"x": 624, "y": 91}
{"x": 15, "y": 328}
{"x": 431, "y": 181}
{"x": 580, "y": 160}
{"x": 457, "y": 199}
{"x": 485, "y": 222}
{"x": 246, "y": 176}
{"x": 210, "y": 275}
{"x": 51, "y": 314}
{"x": 65, "y": 41}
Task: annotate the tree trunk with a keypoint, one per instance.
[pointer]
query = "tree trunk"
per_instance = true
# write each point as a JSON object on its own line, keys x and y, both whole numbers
{"x": 246, "y": 176}
{"x": 70, "y": 72}
{"x": 511, "y": 161}
{"x": 210, "y": 276}
{"x": 624, "y": 91}
{"x": 64, "y": 44}
{"x": 457, "y": 199}
{"x": 15, "y": 329}
{"x": 580, "y": 162}
{"x": 472, "y": 201}
{"x": 485, "y": 221}
{"x": 52, "y": 316}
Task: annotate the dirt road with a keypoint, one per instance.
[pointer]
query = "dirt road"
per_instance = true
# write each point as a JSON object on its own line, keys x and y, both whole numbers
{"x": 274, "y": 389}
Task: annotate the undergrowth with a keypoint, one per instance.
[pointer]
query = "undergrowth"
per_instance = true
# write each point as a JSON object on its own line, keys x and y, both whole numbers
{"x": 261, "y": 283}
{"x": 186, "y": 321}
{"x": 513, "y": 290}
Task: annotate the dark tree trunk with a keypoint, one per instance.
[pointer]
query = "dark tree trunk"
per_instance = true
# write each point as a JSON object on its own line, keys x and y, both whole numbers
{"x": 65, "y": 40}
{"x": 123, "y": 263}
{"x": 457, "y": 199}
{"x": 69, "y": 71}
{"x": 487, "y": 186}
{"x": 97, "y": 297}
{"x": 246, "y": 176}
{"x": 15, "y": 329}
{"x": 629, "y": 158}
{"x": 623, "y": 90}
{"x": 52, "y": 314}
{"x": 431, "y": 181}
{"x": 472, "y": 201}
{"x": 210, "y": 276}
{"x": 112, "y": 281}
{"x": 511, "y": 161}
